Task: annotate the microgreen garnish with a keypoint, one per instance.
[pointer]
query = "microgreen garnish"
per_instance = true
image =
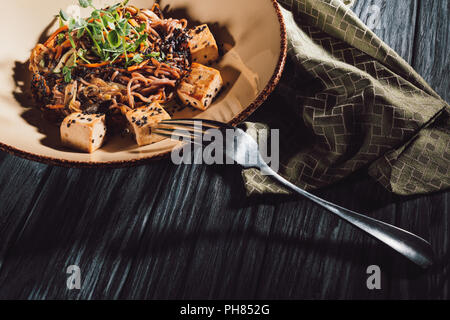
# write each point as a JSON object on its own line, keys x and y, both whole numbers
{"x": 85, "y": 3}
{"x": 82, "y": 55}
{"x": 137, "y": 58}
{"x": 153, "y": 55}
{"x": 72, "y": 43}
{"x": 113, "y": 39}
{"x": 60, "y": 38}
{"x": 111, "y": 34}
{"x": 64, "y": 16}
{"x": 67, "y": 72}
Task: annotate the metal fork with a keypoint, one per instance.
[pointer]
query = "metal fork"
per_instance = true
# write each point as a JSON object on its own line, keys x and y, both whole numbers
{"x": 244, "y": 150}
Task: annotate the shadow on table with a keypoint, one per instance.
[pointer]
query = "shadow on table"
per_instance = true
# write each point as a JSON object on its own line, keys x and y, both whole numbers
{"x": 38, "y": 240}
{"x": 358, "y": 192}
{"x": 22, "y": 77}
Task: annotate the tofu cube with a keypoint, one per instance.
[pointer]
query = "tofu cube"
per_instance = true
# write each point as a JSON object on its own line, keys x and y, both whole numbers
{"x": 200, "y": 87}
{"x": 203, "y": 46}
{"x": 143, "y": 120}
{"x": 84, "y": 132}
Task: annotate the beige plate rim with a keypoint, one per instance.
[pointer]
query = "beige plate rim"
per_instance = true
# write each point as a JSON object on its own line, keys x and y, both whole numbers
{"x": 129, "y": 163}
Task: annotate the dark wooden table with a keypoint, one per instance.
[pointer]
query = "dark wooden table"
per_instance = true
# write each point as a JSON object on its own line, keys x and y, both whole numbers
{"x": 162, "y": 231}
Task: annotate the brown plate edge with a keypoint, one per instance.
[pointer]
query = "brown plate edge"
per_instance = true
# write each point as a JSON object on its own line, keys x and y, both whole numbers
{"x": 130, "y": 163}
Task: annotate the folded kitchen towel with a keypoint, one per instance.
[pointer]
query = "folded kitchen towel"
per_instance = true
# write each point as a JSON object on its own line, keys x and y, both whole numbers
{"x": 346, "y": 102}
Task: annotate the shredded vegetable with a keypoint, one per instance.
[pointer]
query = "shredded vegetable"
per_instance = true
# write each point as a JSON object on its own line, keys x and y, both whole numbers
{"x": 119, "y": 58}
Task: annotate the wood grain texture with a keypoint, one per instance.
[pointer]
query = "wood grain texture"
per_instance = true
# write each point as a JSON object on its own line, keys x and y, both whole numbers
{"x": 432, "y": 43}
{"x": 397, "y": 22}
{"x": 166, "y": 232}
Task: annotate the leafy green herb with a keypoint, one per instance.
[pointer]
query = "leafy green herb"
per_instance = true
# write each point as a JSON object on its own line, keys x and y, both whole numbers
{"x": 137, "y": 43}
{"x": 125, "y": 50}
{"x": 60, "y": 39}
{"x": 64, "y": 16}
{"x": 153, "y": 55}
{"x": 72, "y": 23}
{"x": 162, "y": 57}
{"x": 123, "y": 27}
{"x": 95, "y": 14}
{"x": 72, "y": 43}
{"x": 97, "y": 46}
{"x": 118, "y": 5}
{"x": 82, "y": 55}
{"x": 109, "y": 21}
{"x": 141, "y": 28}
{"x": 81, "y": 33}
{"x": 137, "y": 59}
{"x": 116, "y": 50}
{"x": 85, "y": 3}
{"x": 76, "y": 24}
{"x": 67, "y": 72}
{"x": 108, "y": 32}
{"x": 113, "y": 39}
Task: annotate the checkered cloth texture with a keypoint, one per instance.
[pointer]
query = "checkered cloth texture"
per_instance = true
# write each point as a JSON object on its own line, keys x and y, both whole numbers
{"x": 348, "y": 102}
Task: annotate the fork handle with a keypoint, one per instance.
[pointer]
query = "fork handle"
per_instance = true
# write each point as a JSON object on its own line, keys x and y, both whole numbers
{"x": 407, "y": 244}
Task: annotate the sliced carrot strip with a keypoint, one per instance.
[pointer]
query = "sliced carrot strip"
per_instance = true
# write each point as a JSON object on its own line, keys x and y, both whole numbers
{"x": 60, "y": 48}
{"x": 55, "y": 107}
{"x": 130, "y": 55}
{"x": 133, "y": 23}
{"x": 96, "y": 65}
{"x": 54, "y": 35}
{"x": 138, "y": 66}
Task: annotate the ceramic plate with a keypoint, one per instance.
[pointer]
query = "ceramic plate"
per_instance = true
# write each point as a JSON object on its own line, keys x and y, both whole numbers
{"x": 253, "y": 36}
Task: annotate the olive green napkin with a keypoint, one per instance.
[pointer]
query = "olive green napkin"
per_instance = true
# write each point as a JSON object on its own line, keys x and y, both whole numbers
{"x": 346, "y": 102}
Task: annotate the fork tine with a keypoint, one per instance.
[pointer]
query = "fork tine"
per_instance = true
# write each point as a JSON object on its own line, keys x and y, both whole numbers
{"x": 195, "y": 126}
{"x": 184, "y": 126}
{"x": 181, "y": 133}
{"x": 171, "y": 134}
{"x": 205, "y": 121}
{"x": 189, "y": 124}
